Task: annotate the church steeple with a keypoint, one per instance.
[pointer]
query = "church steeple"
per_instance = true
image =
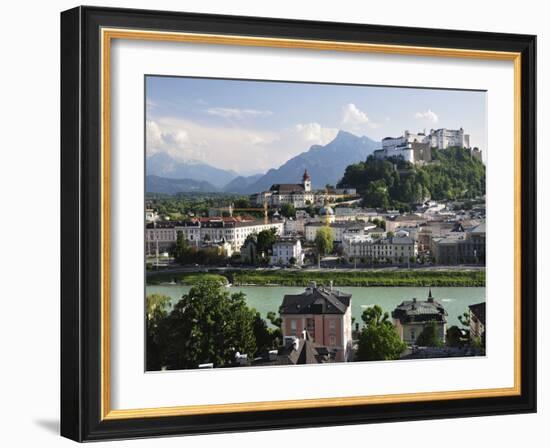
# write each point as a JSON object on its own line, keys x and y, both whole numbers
{"x": 306, "y": 178}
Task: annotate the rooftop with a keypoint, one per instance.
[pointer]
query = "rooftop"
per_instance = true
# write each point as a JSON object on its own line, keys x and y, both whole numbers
{"x": 420, "y": 310}
{"x": 316, "y": 300}
{"x": 287, "y": 188}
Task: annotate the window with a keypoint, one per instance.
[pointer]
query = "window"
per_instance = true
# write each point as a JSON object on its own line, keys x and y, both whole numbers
{"x": 332, "y": 324}
{"x": 293, "y": 328}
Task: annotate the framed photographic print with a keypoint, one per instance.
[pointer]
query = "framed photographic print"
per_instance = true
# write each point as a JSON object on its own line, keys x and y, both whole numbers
{"x": 275, "y": 224}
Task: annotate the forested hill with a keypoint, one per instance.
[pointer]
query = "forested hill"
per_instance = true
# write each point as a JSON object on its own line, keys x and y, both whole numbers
{"x": 394, "y": 183}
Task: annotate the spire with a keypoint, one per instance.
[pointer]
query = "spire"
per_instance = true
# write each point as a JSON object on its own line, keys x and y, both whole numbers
{"x": 306, "y": 176}
{"x": 430, "y": 294}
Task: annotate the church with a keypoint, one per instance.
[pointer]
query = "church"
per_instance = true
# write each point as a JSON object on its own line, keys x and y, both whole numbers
{"x": 299, "y": 195}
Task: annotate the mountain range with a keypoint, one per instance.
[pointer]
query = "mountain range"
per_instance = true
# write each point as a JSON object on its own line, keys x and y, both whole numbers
{"x": 325, "y": 164}
{"x": 163, "y": 165}
{"x": 156, "y": 184}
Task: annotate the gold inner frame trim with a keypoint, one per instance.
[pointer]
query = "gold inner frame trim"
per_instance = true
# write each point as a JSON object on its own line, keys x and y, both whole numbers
{"x": 107, "y": 35}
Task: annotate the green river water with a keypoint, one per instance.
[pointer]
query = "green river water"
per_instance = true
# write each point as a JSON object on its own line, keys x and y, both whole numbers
{"x": 455, "y": 300}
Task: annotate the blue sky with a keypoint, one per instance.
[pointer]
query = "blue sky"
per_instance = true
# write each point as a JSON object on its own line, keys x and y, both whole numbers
{"x": 251, "y": 126}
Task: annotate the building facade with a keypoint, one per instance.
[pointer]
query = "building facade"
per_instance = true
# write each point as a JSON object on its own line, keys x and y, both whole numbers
{"x": 233, "y": 231}
{"x": 467, "y": 247}
{"x": 287, "y": 251}
{"x": 299, "y": 195}
{"x": 444, "y": 138}
{"x": 477, "y": 321}
{"x": 411, "y": 317}
{"x": 387, "y": 250}
{"x": 417, "y": 147}
{"x": 339, "y": 230}
{"x": 325, "y": 314}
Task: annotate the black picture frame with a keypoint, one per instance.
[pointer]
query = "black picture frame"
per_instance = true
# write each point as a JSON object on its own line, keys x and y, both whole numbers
{"x": 81, "y": 224}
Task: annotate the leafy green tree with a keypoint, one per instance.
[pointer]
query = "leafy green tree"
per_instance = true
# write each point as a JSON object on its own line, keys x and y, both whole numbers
{"x": 378, "y": 339}
{"x": 182, "y": 248}
{"x": 310, "y": 209}
{"x": 377, "y": 195}
{"x": 275, "y": 320}
{"x": 265, "y": 241}
{"x": 288, "y": 210}
{"x": 464, "y": 319}
{"x": 242, "y": 203}
{"x": 454, "y": 337}
{"x": 157, "y": 306}
{"x": 379, "y": 223}
{"x": 208, "y": 325}
{"x": 266, "y": 338}
{"x": 429, "y": 337}
{"x": 324, "y": 242}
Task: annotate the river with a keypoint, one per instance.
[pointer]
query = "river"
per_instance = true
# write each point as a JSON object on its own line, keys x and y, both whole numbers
{"x": 455, "y": 300}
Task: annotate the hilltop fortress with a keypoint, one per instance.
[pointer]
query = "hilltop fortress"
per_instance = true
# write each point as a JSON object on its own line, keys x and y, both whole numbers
{"x": 417, "y": 148}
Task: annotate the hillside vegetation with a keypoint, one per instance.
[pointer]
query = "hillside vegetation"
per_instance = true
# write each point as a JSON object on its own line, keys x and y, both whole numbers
{"x": 339, "y": 278}
{"x": 394, "y": 183}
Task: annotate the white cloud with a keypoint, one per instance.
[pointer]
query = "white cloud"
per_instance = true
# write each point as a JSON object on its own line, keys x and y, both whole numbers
{"x": 353, "y": 118}
{"x": 229, "y": 147}
{"x": 428, "y": 115}
{"x": 238, "y": 114}
{"x": 315, "y": 133}
{"x": 172, "y": 141}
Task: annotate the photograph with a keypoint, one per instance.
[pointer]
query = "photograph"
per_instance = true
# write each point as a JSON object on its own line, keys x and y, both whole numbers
{"x": 290, "y": 223}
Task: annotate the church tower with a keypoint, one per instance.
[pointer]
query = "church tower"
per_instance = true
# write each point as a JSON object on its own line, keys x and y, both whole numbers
{"x": 306, "y": 181}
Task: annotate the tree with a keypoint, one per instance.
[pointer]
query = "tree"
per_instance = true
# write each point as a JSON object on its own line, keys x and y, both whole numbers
{"x": 288, "y": 210}
{"x": 378, "y": 339}
{"x": 266, "y": 339}
{"x": 379, "y": 223}
{"x": 275, "y": 320}
{"x": 157, "y": 306}
{"x": 323, "y": 242}
{"x": 429, "y": 337}
{"x": 464, "y": 319}
{"x": 265, "y": 241}
{"x": 454, "y": 337}
{"x": 377, "y": 195}
{"x": 181, "y": 250}
{"x": 208, "y": 325}
{"x": 242, "y": 203}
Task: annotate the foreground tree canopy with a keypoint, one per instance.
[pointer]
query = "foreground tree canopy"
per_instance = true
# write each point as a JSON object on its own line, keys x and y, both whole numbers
{"x": 207, "y": 325}
{"x": 378, "y": 340}
{"x": 453, "y": 174}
